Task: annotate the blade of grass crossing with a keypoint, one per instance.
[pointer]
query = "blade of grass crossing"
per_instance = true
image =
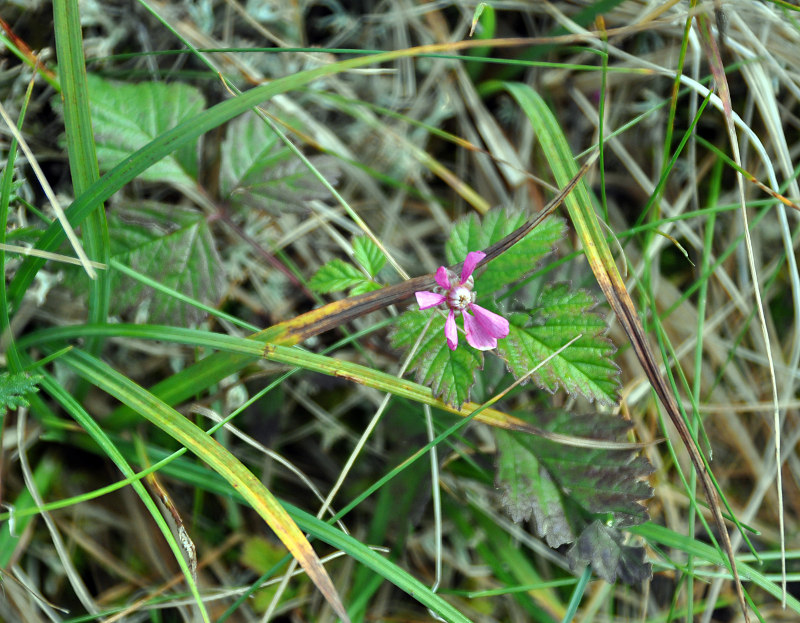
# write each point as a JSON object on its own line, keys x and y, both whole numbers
{"x": 45, "y": 474}
{"x": 378, "y": 563}
{"x": 13, "y": 360}
{"x": 219, "y": 458}
{"x": 601, "y": 261}
{"x": 715, "y": 184}
{"x": 714, "y": 59}
{"x": 81, "y": 149}
{"x": 235, "y": 349}
{"x": 577, "y": 595}
{"x": 191, "y": 129}
{"x": 68, "y": 402}
{"x": 703, "y": 551}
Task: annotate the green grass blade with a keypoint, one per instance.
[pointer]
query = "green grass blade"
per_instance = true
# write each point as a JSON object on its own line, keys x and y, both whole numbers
{"x": 704, "y": 552}
{"x": 238, "y": 352}
{"x": 603, "y": 265}
{"x": 110, "y": 450}
{"x": 81, "y": 149}
{"x": 378, "y": 563}
{"x": 188, "y": 131}
{"x": 219, "y": 458}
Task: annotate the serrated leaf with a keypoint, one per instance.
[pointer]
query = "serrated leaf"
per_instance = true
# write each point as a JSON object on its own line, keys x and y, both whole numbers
{"x": 528, "y": 492}
{"x": 257, "y": 170}
{"x": 128, "y": 116}
{"x": 368, "y": 255}
{"x": 603, "y": 548}
{"x": 585, "y": 367}
{"x": 335, "y": 276}
{"x": 549, "y": 480}
{"x": 13, "y": 388}
{"x": 175, "y": 249}
{"x": 365, "y": 286}
{"x": 474, "y": 234}
{"x": 449, "y": 373}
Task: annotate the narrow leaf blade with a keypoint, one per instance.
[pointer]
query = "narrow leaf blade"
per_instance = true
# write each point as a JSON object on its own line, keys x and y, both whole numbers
{"x": 601, "y": 260}
{"x": 217, "y": 456}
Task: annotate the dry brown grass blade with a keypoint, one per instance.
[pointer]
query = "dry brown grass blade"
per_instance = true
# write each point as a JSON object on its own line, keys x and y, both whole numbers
{"x": 775, "y": 195}
{"x": 718, "y": 70}
{"x": 620, "y": 301}
{"x": 602, "y": 263}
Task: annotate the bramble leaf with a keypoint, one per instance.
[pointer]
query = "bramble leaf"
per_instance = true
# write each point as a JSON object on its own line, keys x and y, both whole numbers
{"x": 335, "y": 276}
{"x": 473, "y": 234}
{"x": 584, "y": 367}
{"x": 368, "y": 254}
{"x": 449, "y": 373}
{"x": 13, "y": 388}
{"x": 528, "y": 491}
{"x": 602, "y": 547}
{"x": 365, "y": 286}
{"x": 258, "y": 171}
{"x": 600, "y": 480}
{"x": 128, "y": 116}
{"x": 563, "y": 489}
{"x": 176, "y": 249}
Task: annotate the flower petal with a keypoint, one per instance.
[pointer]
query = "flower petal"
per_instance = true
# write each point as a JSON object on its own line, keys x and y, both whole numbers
{"x": 484, "y": 328}
{"x": 427, "y": 299}
{"x": 451, "y": 331}
{"x": 473, "y": 257}
{"x": 442, "y": 278}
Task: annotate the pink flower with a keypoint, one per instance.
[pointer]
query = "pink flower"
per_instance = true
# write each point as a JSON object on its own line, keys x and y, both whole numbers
{"x": 483, "y": 328}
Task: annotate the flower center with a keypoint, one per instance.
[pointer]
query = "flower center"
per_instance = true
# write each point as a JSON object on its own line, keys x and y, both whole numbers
{"x": 460, "y": 297}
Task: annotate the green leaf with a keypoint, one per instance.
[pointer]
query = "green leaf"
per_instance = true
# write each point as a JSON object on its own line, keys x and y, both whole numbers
{"x": 472, "y": 234}
{"x": 368, "y": 255}
{"x": 337, "y": 275}
{"x": 13, "y": 388}
{"x": 600, "y": 480}
{"x": 565, "y": 488}
{"x": 585, "y": 367}
{"x": 528, "y": 491}
{"x": 177, "y": 250}
{"x": 259, "y": 171}
{"x": 602, "y": 547}
{"x": 449, "y": 373}
{"x": 366, "y": 286}
{"x": 129, "y": 116}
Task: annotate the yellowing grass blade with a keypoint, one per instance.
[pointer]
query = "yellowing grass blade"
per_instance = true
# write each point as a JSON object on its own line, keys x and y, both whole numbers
{"x": 718, "y": 71}
{"x": 587, "y": 226}
{"x": 217, "y": 457}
